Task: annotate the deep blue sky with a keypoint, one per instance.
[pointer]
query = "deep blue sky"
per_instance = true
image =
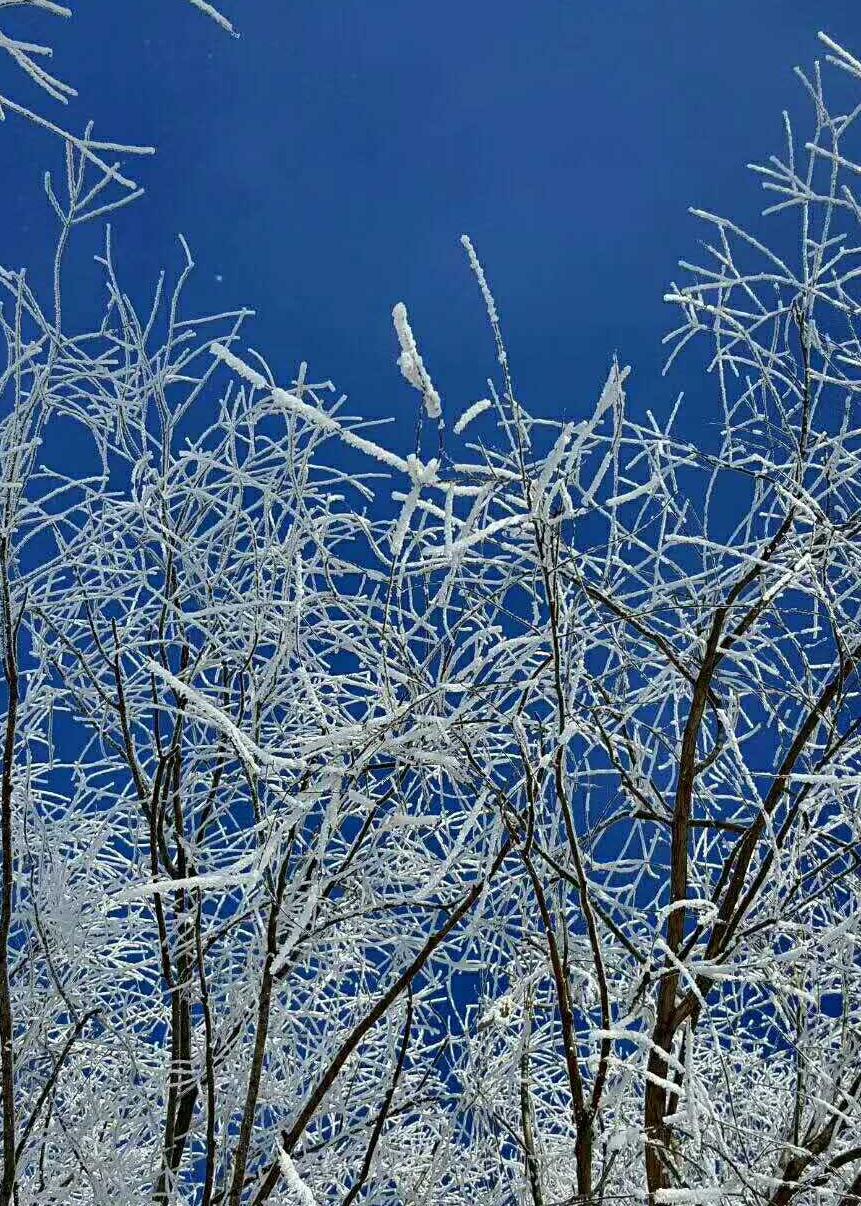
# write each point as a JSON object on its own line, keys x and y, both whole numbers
{"x": 324, "y": 165}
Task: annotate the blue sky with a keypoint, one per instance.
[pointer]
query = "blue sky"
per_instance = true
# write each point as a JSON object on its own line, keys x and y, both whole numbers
{"x": 324, "y": 165}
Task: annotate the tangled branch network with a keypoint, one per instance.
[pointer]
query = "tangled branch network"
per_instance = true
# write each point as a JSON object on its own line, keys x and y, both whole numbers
{"x": 475, "y": 827}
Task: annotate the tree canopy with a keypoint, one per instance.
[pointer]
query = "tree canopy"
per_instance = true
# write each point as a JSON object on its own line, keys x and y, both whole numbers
{"x": 476, "y": 825}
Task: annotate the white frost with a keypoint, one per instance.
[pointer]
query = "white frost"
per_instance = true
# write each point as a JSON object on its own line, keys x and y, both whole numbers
{"x": 472, "y": 412}
{"x": 412, "y": 365}
{"x": 295, "y": 1185}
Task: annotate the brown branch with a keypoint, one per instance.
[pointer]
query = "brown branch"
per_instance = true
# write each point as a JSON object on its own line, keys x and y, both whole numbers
{"x": 291, "y": 1137}
{"x": 10, "y": 670}
{"x": 52, "y": 1080}
{"x": 533, "y": 1170}
{"x": 380, "y": 1122}
{"x": 243, "y": 1145}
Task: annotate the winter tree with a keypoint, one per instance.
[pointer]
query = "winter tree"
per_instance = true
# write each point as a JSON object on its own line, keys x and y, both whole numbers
{"x": 477, "y": 825}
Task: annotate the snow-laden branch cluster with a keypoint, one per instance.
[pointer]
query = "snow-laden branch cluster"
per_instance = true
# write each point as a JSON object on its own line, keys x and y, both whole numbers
{"x": 32, "y": 59}
{"x": 475, "y": 829}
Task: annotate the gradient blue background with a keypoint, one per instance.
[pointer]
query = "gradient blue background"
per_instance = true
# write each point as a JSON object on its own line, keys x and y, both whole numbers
{"x": 325, "y": 163}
